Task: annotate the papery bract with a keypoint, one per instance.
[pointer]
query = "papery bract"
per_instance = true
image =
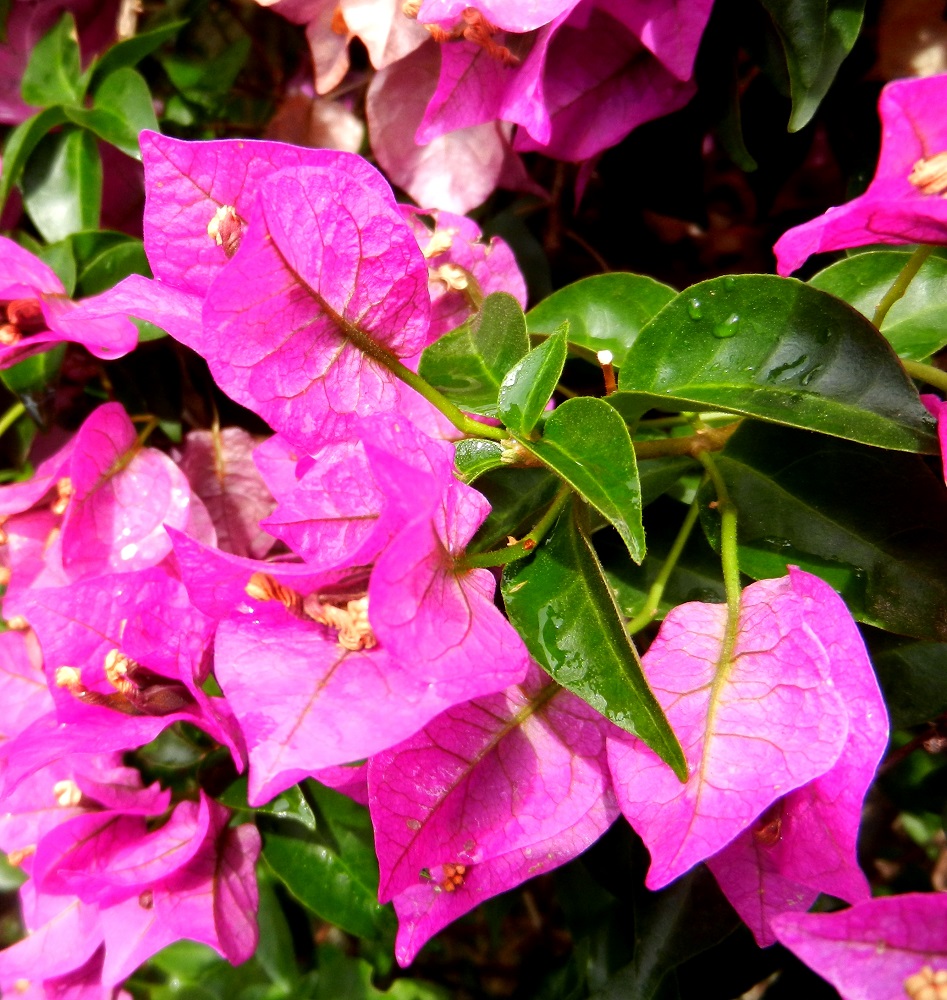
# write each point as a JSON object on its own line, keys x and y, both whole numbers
{"x": 327, "y": 275}
{"x": 902, "y": 204}
{"x": 35, "y": 313}
{"x": 874, "y": 950}
{"x": 23, "y": 691}
{"x": 505, "y": 786}
{"x": 455, "y": 171}
{"x": 807, "y": 842}
{"x": 753, "y": 728}
{"x": 220, "y": 468}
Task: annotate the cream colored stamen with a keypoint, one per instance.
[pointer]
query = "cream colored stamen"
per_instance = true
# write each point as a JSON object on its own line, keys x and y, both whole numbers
{"x": 225, "y": 229}
{"x": 67, "y": 793}
{"x": 454, "y": 276}
{"x": 18, "y": 857}
{"x": 929, "y": 175}
{"x": 64, "y": 492}
{"x": 927, "y": 984}
{"x": 262, "y": 587}
{"x": 410, "y": 8}
{"x": 440, "y": 242}
{"x": 351, "y": 622}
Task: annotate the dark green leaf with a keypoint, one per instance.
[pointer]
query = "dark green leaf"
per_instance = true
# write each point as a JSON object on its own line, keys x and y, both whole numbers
{"x": 469, "y": 363}
{"x": 114, "y": 263}
{"x": 586, "y": 443}
{"x": 529, "y": 384}
{"x": 275, "y": 953}
{"x": 132, "y": 50}
{"x": 125, "y": 95}
{"x": 913, "y": 676}
{"x": 872, "y": 524}
{"x": 916, "y": 325}
{"x": 560, "y": 603}
{"x": 147, "y": 331}
{"x": 517, "y": 498}
{"x": 816, "y": 35}
{"x": 61, "y": 258}
{"x": 475, "y": 456}
{"x": 671, "y": 926}
{"x": 20, "y": 145}
{"x": 331, "y": 870}
{"x": 344, "y": 978}
{"x": 53, "y": 74}
{"x": 206, "y": 80}
{"x": 780, "y": 350}
{"x": 62, "y": 191}
{"x": 696, "y": 575}
{"x": 604, "y": 312}
{"x": 33, "y": 380}
{"x": 658, "y": 475}
{"x": 289, "y": 804}
{"x": 5, "y": 6}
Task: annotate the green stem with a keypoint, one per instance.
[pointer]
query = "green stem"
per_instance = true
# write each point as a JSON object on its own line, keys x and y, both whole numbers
{"x": 926, "y": 373}
{"x": 500, "y": 557}
{"x": 653, "y": 600}
{"x": 11, "y": 417}
{"x": 914, "y": 263}
{"x": 728, "y": 555}
{"x": 454, "y": 414}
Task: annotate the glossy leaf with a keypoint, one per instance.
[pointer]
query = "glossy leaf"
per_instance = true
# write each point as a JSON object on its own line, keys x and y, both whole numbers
{"x": 517, "y": 498}
{"x": 290, "y": 804}
{"x": 476, "y": 456}
{"x": 332, "y": 871}
{"x": 605, "y": 311}
{"x": 816, "y": 35}
{"x": 122, "y": 108}
{"x": 528, "y": 386}
{"x": 469, "y": 364}
{"x": 20, "y": 145}
{"x": 62, "y": 191}
{"x": 916, "y": 325}
{"x": 780, "y": 350}
{"x": 912, "y": 677}
{"x": 52, "y": 75}
{"x": 130, "y": 51}
{"x": 106, "y": 269}
{"x": 871, "y": 523}
{"x": 560, "y": 603}
{"x": 586, "y": 443}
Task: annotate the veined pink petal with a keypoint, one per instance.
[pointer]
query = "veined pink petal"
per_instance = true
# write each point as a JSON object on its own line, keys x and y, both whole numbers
{"x": 505, "y": 786}
{"x": 752, "y": 729}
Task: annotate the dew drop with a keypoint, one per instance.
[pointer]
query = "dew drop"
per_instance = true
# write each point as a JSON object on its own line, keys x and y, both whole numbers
{"x": 694, "y": 309}
{"x": 728, "y": 328}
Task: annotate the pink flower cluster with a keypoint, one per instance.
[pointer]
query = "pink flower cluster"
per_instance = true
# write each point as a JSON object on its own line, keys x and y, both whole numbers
{"x": 461, "y": 90}
{"x": 319, "y": 577}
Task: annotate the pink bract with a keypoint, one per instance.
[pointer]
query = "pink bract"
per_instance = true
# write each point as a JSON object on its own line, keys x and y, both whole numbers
{"x": 506, "y": 786}
{"x": 873, "y": 950}
{"x": 899, "y": 205}
{"x": 35, "y": 313}
{"x": 752, "y": 730}
{"x": 807, "y": 842}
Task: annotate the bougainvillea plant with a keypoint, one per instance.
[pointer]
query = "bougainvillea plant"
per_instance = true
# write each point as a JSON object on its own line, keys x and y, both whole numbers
{"x": 393, "y": 607}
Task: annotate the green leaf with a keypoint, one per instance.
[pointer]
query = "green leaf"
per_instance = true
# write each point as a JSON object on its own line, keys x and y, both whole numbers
{"x": 586, "y": 443}
{"x": 205, "y": 80}
{"x": 132, "y": 50}
{"x": 62, "y": 191}
{"x": 529, "y": 384}
{"x": 916, "y": 325}
{"x": 469, "y": 363}
{"x": 344, "y": 978}
{"x": 658, "y": 475}
{"x": 331, "y": 870}
{"x": 913, "y": 677}
{"x": 671, "y": 926}
{"x": 20, "y": 145}
{"x": 517, "y": 499}
{"x": 780, "y": 350}
{"x": 290, "y": 804}
{"x": 62, "y": 259}
{"x": 816, "y": 35}
{"x": 560, "y": 603}
{"x": 33, "y": 380}
{"x": 115, "y": 262}
{"x": 124, "y": 97}
{"x": 872, "y": 524}
{"x": 53, "y": 74}
{"x": 475, "y": 456}
{"x": 696, "y": 575}
{"x": 275, "y": 952}
{"x": 605, "y": 312}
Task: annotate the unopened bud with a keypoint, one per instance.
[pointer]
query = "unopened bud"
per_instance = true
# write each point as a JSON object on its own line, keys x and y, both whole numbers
{"x": 18, "y": 623}
{"x": 67, "y": 793}
{"x": 440, "y": 242}
{"x": 410, "y": 8}
{"x": 64, "y": 492}
{"x": 929, "y": 174}
{"x": 927, "y": 984}
{"x": 226, "y": 229}
{"x": 68, "y": 677}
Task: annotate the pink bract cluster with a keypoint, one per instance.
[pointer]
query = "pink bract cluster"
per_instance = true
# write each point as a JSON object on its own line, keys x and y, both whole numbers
{"x": 302, "y": 604}
{"x": 461, "y": 90}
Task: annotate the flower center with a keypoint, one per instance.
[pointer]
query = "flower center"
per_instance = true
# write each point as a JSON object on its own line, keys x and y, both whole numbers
{"x": 18, "y": 319}
{"x": 929, "y": 174}
{"x": 472, "y": 27}
{"x": 927, "y": 984}
{"x": 226, "y": 229}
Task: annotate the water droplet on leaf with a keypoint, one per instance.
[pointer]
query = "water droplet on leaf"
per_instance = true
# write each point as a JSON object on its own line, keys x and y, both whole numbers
{"x": 694, "y": 309}
{"x": 728, "y": 328}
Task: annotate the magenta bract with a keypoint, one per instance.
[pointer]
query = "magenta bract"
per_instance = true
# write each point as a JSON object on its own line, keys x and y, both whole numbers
{"x": 485, "y": 796}
{"x": 903, "y": 203}
{"x": 752, "y": 729}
